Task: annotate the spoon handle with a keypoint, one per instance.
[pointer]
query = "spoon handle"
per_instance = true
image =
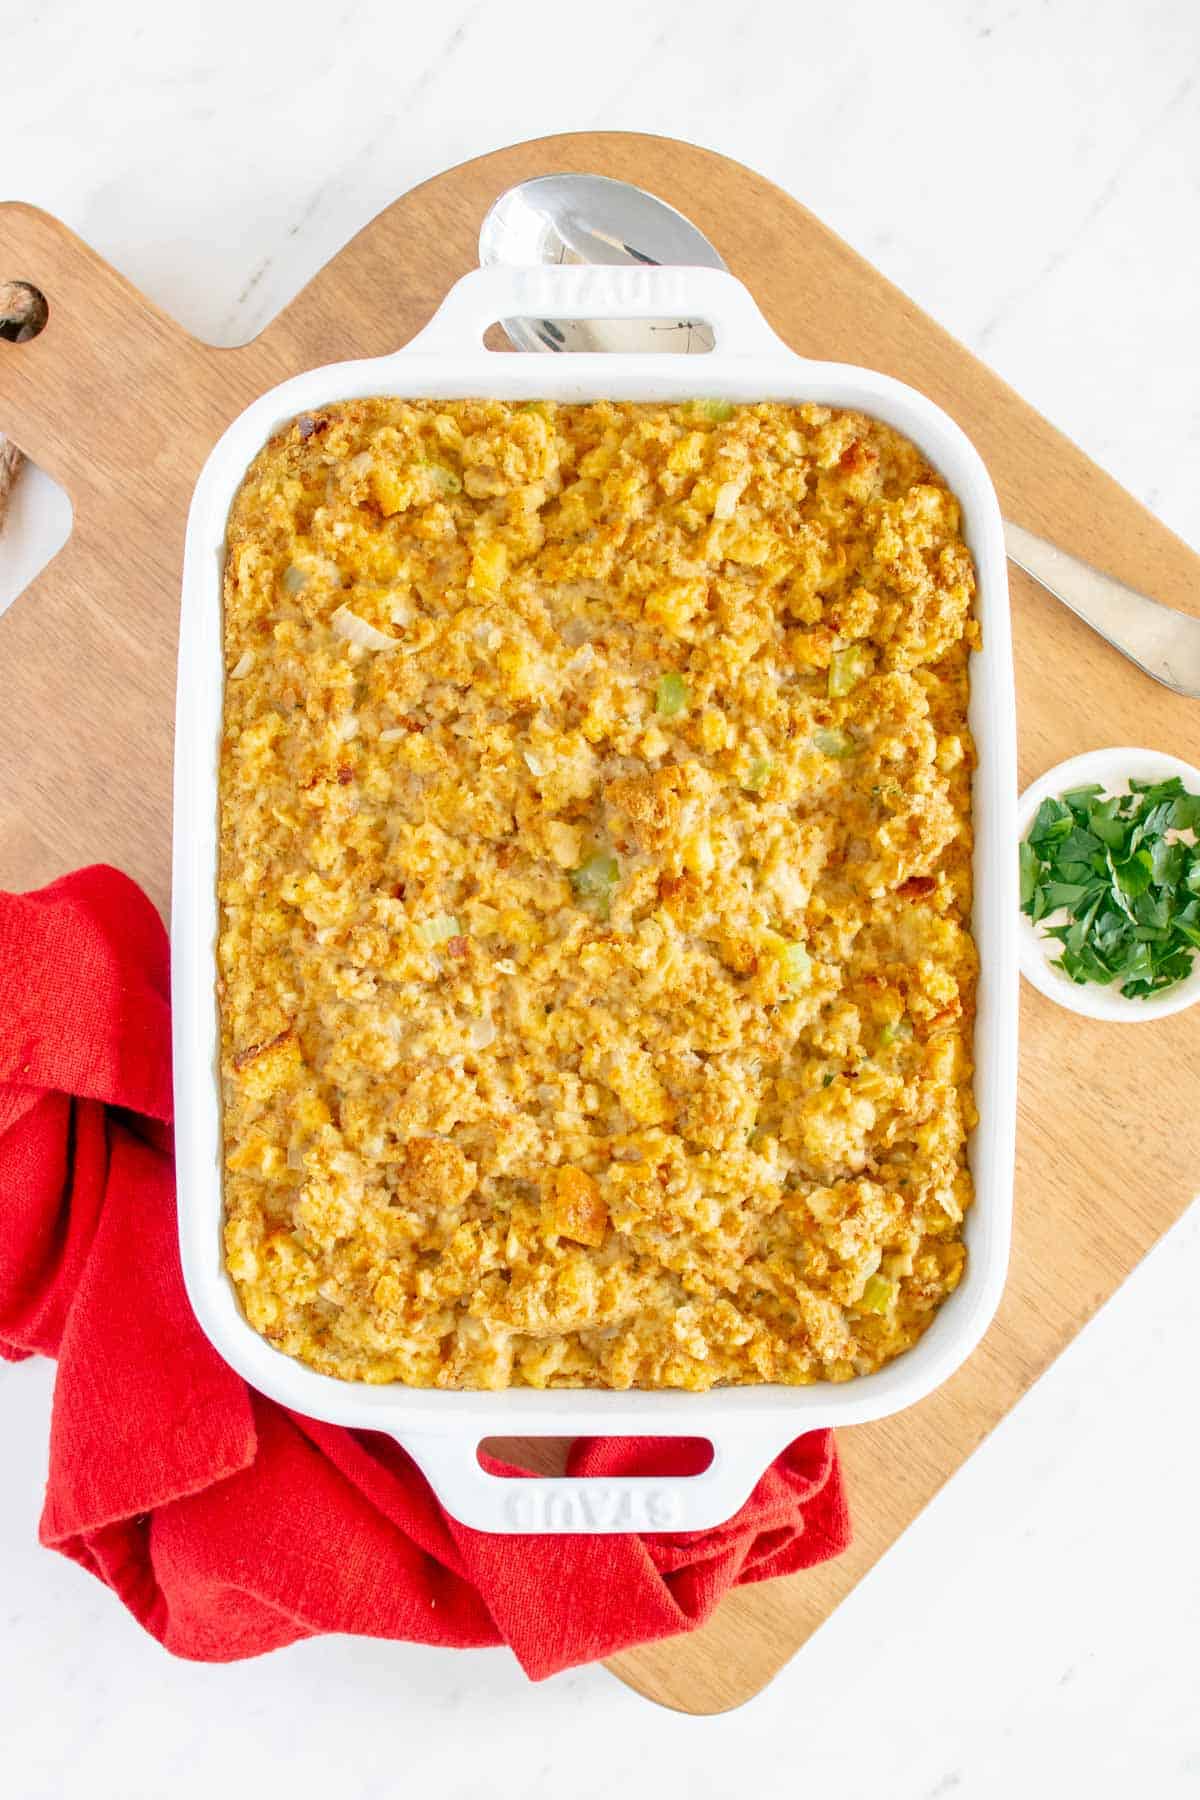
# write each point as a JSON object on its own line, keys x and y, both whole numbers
{"x": 1161, "y": 641}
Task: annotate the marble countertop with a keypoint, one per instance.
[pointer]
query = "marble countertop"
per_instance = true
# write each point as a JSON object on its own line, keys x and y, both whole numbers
{"x": 1029, "y": 171}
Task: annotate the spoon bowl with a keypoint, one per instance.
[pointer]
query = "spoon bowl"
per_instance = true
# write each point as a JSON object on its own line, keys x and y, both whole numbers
{"x": 593, "y": 219}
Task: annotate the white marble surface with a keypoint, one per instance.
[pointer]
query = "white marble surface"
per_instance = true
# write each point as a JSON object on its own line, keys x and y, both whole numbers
{"x": 1029, "y": 170}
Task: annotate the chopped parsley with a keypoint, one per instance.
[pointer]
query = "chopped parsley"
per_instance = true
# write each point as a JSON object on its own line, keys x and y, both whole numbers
{"x": 1127, "y": 880}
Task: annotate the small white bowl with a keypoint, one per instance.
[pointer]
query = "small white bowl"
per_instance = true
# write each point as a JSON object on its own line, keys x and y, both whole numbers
{"x": 1113, "y": 769}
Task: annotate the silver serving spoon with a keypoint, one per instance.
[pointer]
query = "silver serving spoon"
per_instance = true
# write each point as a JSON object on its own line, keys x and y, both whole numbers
{"x": 592, "y": 219}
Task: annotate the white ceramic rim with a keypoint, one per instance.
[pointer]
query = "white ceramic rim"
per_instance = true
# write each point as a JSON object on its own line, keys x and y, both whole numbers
{"x": 747, "y": 1426}
{"x": 1113, "y": 769}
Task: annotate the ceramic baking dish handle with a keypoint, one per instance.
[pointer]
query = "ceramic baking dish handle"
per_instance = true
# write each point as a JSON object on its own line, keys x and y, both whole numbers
{"x": 584, "y": 291}
{"x": 592, "y": 1504}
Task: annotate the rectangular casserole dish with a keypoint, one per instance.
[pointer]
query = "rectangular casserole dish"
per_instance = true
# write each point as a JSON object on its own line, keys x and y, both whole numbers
{"x": 747, "y": 1426}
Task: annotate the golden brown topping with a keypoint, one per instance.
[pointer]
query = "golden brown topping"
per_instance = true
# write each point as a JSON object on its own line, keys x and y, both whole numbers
{"x": 596, "y": 988}
{"x": 661, "y": 806}
{"x": 253, "y": 1052}
{"x": 576, "y": 1209}
{"x": 435, "y": 1173}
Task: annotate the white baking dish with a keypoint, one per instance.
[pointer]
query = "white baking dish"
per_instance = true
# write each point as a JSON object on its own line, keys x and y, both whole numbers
{"x": 746, "y": 1426}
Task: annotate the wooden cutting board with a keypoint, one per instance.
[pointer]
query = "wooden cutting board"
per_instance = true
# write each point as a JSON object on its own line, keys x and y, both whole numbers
{"x": 121, "y": 406}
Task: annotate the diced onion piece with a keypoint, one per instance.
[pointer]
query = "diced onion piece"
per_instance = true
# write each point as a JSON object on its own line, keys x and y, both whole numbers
{"x": 348, "y": 625}
{"x": 670, "y": 696}
{"x": 481, "y": 1034}
{"x": 347, "y": 728}
{"x": 563, "y": 840}
{"x": 535, "y": 764}
{"x": 242, "y": 666}
{"x": 437, "y": 929}
{"x": 728, "y": 495}
{"x": 393, "y": 734}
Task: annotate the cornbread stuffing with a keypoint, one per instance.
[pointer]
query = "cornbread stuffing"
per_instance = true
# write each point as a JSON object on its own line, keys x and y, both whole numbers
{"x": 595, "y": 978}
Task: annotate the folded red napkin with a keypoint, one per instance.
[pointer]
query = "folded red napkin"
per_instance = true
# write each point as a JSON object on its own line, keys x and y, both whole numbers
{"x": 225, "y": 1523}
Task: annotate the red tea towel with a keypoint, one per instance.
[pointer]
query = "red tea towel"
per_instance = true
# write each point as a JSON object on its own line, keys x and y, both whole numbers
{"x": 226, "y": 1524}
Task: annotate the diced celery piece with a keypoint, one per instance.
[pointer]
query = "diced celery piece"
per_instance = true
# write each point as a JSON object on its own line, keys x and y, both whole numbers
{"x": 834, "y": 743}
{"x": 877, "y": 1295}
{"x": 796, "y": 964}
{"x": 439, "y": 928}
{"x": 670, "y": 696}
{"x": 593, "y": 881}
{"x": 716, "y": 410}
{"x": 895, "y": 1030}
{"x": 846, "y": 669}
{"x": 758, "y": 774}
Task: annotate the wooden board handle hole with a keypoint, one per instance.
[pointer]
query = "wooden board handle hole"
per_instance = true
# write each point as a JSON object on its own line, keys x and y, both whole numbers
{"x": 24, "y": 311}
